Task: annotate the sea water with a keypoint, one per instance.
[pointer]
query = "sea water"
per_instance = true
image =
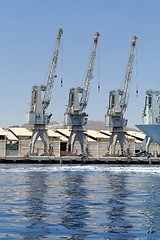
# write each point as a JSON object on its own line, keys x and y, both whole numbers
{"x": 79, "y": 202}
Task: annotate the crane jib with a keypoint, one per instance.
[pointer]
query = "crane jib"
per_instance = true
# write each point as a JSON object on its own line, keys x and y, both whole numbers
{"x": 89, "y": 75}
{"x": 52, "y": 76}
{"x": 125, "y": 95}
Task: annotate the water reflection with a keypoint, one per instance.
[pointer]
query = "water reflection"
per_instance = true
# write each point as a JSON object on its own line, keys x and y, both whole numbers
{"x": 150, "y": 192}
{"x": 41, "y": 203}
{"x": 116, "y": 210}
{"x": 36, "y": 212}
{"x": 75, "y": 199}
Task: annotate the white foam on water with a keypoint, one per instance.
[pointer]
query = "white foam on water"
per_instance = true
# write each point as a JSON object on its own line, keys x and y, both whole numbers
{"x": 88, "y": 168}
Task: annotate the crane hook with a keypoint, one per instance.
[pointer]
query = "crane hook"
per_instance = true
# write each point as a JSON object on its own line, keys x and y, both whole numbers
{"x": 99, "y": 88}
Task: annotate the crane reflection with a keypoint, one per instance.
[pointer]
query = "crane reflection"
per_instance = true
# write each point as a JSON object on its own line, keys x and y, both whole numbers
{"x": 74, "y": 207}
{"x": 117, "y": 222}
{"x": 36, "y": 212}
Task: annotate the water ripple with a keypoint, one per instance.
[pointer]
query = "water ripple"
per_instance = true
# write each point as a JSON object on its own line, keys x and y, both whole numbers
{"x": 79, "y": 202}
{"x": 73, "y": 168}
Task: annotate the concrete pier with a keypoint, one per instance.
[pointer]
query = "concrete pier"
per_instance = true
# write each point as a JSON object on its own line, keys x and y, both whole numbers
{"x": 78, "y": 160}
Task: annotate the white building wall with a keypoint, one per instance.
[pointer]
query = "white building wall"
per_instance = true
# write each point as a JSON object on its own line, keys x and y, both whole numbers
{"x": 24, "y": 147}
{"x": 132, "y": 147}
{"x": 2, "y": 148}
{"x": 56, "y": 148}
{"x": 93, "y": 148}
{"x": 103, "y": 148}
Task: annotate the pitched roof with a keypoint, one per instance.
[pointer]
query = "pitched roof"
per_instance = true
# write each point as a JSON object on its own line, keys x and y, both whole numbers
{"x": 2, "y": 132}
{"x": 10, "y": 136}
{"x": 52, "y": 133}
{"x": 96, "y": 134}
{"x": 20, "y": 131}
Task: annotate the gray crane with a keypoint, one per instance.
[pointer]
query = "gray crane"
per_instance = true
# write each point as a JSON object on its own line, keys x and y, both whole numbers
{"x": 75, "y": 116}
{"x": 118, "y": 102}
{"x": 150, "y": 120}
{"x": 40, "y": 100}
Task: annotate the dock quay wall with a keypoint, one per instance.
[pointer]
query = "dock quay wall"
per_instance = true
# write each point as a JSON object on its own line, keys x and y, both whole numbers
{"x": 79, "y": 160}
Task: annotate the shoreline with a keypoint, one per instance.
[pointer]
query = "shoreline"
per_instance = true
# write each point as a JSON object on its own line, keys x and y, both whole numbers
{"x": 78, "y": 160}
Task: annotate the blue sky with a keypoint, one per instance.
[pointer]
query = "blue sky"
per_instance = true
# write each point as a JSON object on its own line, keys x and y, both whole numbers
{"x": 28, "y": 30}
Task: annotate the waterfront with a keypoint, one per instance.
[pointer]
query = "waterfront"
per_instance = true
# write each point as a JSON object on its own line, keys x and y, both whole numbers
{"x": 79, "y": 202}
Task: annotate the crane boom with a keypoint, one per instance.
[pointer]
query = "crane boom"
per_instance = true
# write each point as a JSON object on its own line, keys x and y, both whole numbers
{"x": 125, "y": 92}
{"x": 51, "y": 76}
{"x": 89, "y": 75}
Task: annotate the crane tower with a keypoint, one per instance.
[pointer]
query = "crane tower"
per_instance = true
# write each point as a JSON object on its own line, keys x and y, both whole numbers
{"x": 118, "y": 102}
{"x": 75, "y": 116}
{"x": 40, "y": 100}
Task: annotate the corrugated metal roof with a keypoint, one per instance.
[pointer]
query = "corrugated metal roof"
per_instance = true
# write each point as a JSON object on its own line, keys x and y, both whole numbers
{"x": 96, "y": 134}
{"x": 129, "y": 137}
{"x": 10, "y": 136}
{"x": 106, "y": 132}
{"x": 132, "y": 134}
{"x": 19, "y": 131}
{"x": 137, "y": 134}
{"x": 63, "y": 139}
{"x": 66, "y": 133}
{"x": 63, "y": 131}
{"x": 52, "y": 133}
{"x": 90, "y": 139}
{"x": 2, "y": 132}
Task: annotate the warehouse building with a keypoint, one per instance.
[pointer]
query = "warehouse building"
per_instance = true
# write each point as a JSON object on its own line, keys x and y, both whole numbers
{"x": 15, "y": 141}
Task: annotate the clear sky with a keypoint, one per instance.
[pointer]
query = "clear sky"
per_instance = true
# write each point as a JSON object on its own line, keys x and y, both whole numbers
{"x": 28, "y": 32}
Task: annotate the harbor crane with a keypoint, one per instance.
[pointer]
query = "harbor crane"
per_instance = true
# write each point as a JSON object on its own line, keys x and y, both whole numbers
{"x": 40, "y": 100}
{"x": 150, "y": 119}
{"x": 75, "y": 116}
{"x": 118, "y": 102}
